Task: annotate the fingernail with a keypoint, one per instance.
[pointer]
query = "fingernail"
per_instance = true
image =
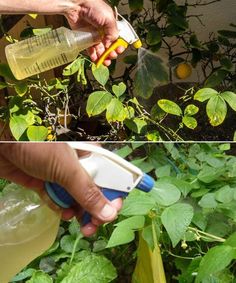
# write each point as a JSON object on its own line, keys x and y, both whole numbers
{"x": 108, "y": 211}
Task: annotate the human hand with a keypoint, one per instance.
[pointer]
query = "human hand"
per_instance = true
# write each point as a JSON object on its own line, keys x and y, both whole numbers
{"x": 101, "y": 16}
{"x": 31, "y": 164}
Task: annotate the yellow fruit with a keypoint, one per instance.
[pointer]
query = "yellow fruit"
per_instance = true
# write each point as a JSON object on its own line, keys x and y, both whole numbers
{"x": 183, "y": 71}
{"x": 61, "y": 117}
{"x": 50, "y": 137}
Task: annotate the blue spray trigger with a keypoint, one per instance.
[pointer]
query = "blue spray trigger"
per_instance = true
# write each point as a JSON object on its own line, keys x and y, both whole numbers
{"x": 110, "y": 195}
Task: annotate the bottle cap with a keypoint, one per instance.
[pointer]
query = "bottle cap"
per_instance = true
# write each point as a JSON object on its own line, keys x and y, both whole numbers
{"x": 146, "y": 183}
{"x": 59, "y": 195}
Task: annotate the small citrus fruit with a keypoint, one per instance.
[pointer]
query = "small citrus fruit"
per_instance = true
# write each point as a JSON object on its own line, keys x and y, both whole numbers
{"x": 183, "y": 71}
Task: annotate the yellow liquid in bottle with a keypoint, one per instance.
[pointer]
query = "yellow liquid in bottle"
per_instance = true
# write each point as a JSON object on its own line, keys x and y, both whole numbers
{"x": 55, "y": 48}
{"x": 25, "y": 234}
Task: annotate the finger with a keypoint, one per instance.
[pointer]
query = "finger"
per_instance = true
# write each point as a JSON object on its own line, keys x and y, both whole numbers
{"x": 89, "y": 229}
{"x": 58, "y": 163}
{"x": 117, "y": 203}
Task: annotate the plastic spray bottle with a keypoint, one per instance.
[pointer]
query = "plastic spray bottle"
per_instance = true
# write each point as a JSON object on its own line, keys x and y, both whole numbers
{"x": 61, "y": 46}
{"x": 29, "y": 221}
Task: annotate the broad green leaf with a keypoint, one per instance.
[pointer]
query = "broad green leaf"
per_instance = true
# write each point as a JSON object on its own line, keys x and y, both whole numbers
{"x": 205, "y": 94}
{"x": 21, "y": 88}
{"x": 150, "y": 72}
{"x": 115, "y": 111}
{"x": 92, "y": 268}
{"x": 193, "y": 40}
{"x": 230, "y": 98}
{"x": 23, "y": 275}
{"x": 67, "y": 243}
{"x": 81, "y": 73}
{"x": 189, "y": 122}
{"x": 18, "y": 125}
{"x": 226, "y": 63}
{"x": 124, "y": 232}
{"x": 209, "y": 174}
{"x": 47, "y": 264}
{"x": 119, "y": 89}
{"x": 40, "y": 277}
{"x": 224, "y": 146}
{"x": 165, "y": 193}
{"x": 231, "y": 241}
{"x": 216, "y": 110}
{"x": 37, "y": 133}
{"x": 135, "y": 5}
{"x": 136, "y": 125}
{"x": 153, "y": 36}
{"x": 215, "y": 260}
{"x": 101, "y": 73}
{"x": 225, "y": 194}
{"x": 6, "y": 72}
{"x": 163, "y": 171}
{"x": 74, "y": 227}
{"x": 176, "y": 220}
{"x": 137, "y": 203}
{"x": 124, "y": 151}
{"x": 97, "y": 102}
{"x": 216, "y": 78}
{"x": 73, "y": 67}
{"x": 191, "y": 110}
{"x": 169, "y": 107}
{"x": 3, "y": 85}
{"x": 130, "y": 59}
{"x": 208, "y": 201}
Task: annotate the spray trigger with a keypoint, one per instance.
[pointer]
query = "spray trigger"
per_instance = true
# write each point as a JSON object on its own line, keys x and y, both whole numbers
{"x": 127, "y": 36}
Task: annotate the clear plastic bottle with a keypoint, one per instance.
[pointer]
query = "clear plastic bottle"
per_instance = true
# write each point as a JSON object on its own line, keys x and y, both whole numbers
{"x": 52, "y": 49}
{"x": 28, "y": 227}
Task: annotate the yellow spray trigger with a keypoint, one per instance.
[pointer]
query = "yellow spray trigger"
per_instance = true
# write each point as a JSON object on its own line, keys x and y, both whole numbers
{"x": 137, "y": 44}
{"x": 117, "y": 43}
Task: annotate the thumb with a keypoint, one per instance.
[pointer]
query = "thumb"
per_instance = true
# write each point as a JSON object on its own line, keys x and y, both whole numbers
{"x": 59, "y": 163}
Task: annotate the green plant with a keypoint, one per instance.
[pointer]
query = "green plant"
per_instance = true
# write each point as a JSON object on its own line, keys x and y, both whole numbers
{"x": 189, "y": 215}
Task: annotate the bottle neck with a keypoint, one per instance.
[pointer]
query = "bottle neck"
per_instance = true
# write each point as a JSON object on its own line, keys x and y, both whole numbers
{"x": 86, "y": 37}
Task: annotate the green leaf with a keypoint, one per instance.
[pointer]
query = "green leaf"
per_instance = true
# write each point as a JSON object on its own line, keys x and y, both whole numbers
{"x": 92, "y": 268}
{"x": 215, "y": 260}
{"x": 135, "y": 5}
{"x": 225, "y": 194}
{"x": 101, "y": 73}
{"x": 136, "y": 125}
{"x": 74, "y": 227}
{"x": 226, "y": 63}
{"x": 137, "y": 203}
{"x": 73, "y": 67}
{"x": 41, "y": 31}
{"x": 18, "y": 125}
{"x": 40, "y": 277}
{"x": 208, "y": 174}
{"x": 115, "y": 111}
{"x": 227, "y": 33}
{"x": 153, "y": 36}
{"x": 124, "y": 232}
{"x": 205, "y": 94}
{"x": 191, "y": 110}
{"x": 67, "y": 243}
{"x": 124, "y": 151}
{"x": 130, "y": 59}
{"x": 150, "y": 72}
{"x": 189, "y": 122}
{"x": 169, "y": 107}
{"x": 208, "y": 201}
{"x": 216, "y": 78}
{"x": 230, "y": 98}
{"x": 119, "y": 89}
{"x": 98, "y": 102}
{"x": 23, "y": 275}
{"x": 37, "y": 133}
{"x": 231, "y": 241}
{"x": 176, "y": 220}
{"x": 216, "y": 110}
{"x": 6, "y": 72}
{"x": 165, "y": 193}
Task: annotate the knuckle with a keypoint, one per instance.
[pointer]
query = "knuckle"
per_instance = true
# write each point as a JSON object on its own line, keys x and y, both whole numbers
{"x": 92, "y": 196}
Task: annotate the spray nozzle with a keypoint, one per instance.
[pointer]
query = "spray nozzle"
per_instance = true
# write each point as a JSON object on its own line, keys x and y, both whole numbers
{"x": 127, "y": 36}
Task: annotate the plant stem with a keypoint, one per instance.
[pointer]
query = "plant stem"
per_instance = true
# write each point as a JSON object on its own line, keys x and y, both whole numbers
{"x": 219, "y": 239}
